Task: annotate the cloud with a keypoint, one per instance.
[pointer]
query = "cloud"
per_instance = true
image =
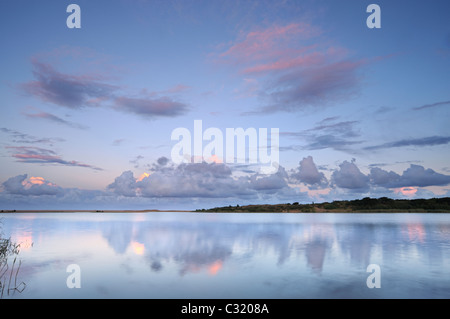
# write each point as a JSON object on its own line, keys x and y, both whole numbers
{"x": 349, "y": 176}
{"x": 383, "y": 178}
{"x": 187, "y": 185}
{"x": 270, "y": 184}
{"x": 329, "y": 126}
{"x": 136, "y": 160}
{"x": 296, "y": 66}
{"x": 71, "y": 91}
{"x": 124, "y": 185}
{"x": 329, "y": 141}
{"x": 308, "y": 173}
{"x": 432, "y": 105}
{"x": 315, "y": 86}
{"x": 328, "y": 133}
{"x": 162, "y": 161}
{"x": 260, "y": 45}
{"x": 32, "y": 154}
{"x": 53, "y": 118}
{"x": 33, "y": 186}
{"x": 424, "y": 141}
{"x": 415, "y": 175}
{"x": 200, "y": 180}
{"x": 21, "y": 192}
{"x": 342, "y": 128}
{"x": 19, "y": 137}
{"x": 149, "y": 108}
{"x": 93, "y": 90}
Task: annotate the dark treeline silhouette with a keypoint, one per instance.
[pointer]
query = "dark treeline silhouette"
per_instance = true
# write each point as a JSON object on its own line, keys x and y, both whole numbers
{"x": 367, "y": 204}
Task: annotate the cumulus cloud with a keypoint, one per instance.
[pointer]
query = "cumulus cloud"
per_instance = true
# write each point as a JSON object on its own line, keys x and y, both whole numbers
{"x": 270, "y": 183}
{"x": 380, "y": 177}
{"x": 195, "y": 180}
{"x": 415, "y": 175}
{"x": 23, "y": 192}
{"x": 216, "y": 183}
{"x": 349, "y": 176}
{"x": 308, "y": 173}
{"x": 33, "y": 186}
{"x": 124, "y": 185}
{"x": 199, "y": 180}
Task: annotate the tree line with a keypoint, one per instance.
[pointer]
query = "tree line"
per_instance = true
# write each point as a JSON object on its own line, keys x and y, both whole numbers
{"x": 367, "y": 204}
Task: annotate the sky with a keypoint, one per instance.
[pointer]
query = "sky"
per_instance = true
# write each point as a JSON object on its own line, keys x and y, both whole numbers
{"x": 88, "y": 114}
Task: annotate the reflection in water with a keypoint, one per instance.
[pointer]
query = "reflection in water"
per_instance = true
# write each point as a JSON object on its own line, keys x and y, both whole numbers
{"x": 319, "y": 238}
{"x": 315, "y": 254}
{"x": 138, "y": 248}
{"x": 118, "y": 235}
{"x": 268, "y": 255}
{"x": 416, "y": 231}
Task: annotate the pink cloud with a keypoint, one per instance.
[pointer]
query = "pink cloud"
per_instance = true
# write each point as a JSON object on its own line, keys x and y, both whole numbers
{"x": 406, "y": 191}
{"x": 287, "y": 63}
{"x": 295, "y": 65}
{"x": 268, "y": 42}
{"x": 38, "y": 155}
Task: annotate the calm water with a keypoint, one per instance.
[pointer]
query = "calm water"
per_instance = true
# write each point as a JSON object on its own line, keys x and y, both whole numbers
{"x": 198, "y": 255}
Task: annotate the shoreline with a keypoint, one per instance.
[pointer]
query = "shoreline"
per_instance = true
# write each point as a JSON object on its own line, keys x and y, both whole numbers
{"x": 9, "y": 211}
{"x": 65, "y": 211}
{"x": 365, "y": 205}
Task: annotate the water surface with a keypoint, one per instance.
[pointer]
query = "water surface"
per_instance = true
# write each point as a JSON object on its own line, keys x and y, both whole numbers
{"x": 220, "y": 255}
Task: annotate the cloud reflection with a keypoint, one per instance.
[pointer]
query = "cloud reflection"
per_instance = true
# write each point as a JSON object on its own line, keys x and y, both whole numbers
{"x": 282, "y": 250}
{"x": 201, "y": 245}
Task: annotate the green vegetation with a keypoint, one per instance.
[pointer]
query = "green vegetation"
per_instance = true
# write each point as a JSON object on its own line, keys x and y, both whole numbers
{"x": 367, "y": 204}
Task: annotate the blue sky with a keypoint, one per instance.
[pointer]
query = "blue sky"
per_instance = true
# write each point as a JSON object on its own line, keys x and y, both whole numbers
{"x": 87, "y": 114}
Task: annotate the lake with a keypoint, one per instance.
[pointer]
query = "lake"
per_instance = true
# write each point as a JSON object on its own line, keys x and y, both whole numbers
{"x": 228, "y": 255}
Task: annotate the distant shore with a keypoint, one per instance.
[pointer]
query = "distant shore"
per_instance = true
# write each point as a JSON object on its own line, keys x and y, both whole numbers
{"x": 365, "y": 205}
{"x": 227, "y": 211}
{"x": 88, "y": 211}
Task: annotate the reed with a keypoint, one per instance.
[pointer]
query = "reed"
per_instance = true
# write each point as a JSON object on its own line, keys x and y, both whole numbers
{"x": 8, "y": 249}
